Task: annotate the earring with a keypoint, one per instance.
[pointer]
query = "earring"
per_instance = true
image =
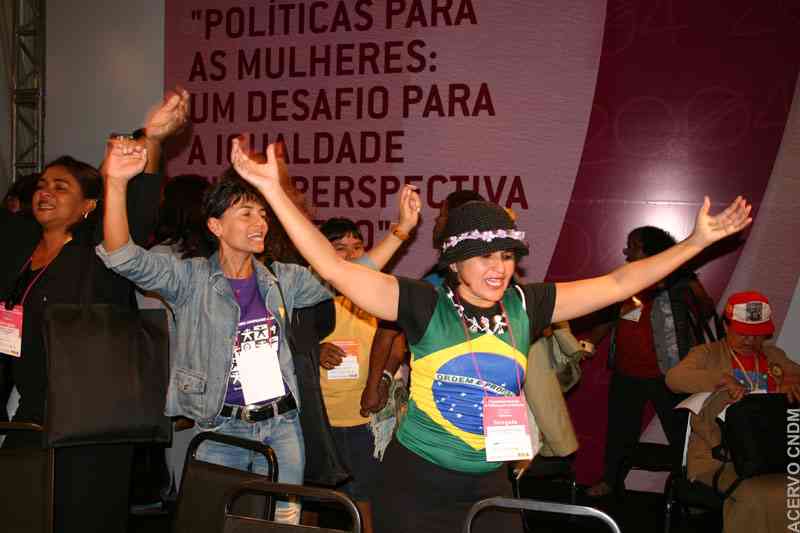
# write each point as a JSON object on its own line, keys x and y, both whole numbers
{"x": 86, "y": 215}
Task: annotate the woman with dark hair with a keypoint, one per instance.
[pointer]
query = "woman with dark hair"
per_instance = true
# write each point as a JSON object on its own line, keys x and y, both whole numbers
{"x": 44, "y": 262}
{"x": 651, "y": 333}
{"x": 181, "y": 224}
{"x": 453, "y": 200}
{"x": 468, "y": 341}
{"x": 346, "y": 358}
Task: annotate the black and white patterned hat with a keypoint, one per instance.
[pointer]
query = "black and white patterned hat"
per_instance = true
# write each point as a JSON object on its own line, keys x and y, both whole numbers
{"x": 478, "y": 228}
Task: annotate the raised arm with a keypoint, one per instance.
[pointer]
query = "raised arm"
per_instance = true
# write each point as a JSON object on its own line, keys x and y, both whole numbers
{"x": 163, "y": 121}
{"x": 125, "y": 159}
{"x": 163, "y": 273}
{"x": 372, "y": 291}
{"x": 578, "y": 298}
{"x": 409, "y": 207}
{"x": 143, "y": 192}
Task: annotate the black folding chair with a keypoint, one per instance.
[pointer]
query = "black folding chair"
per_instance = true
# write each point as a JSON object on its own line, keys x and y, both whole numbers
{"x": 647, "y": 456}
{"x": 546, "y": 469}
{"x": 26, "y": 493}
{"x": 204, "y": 486}
{"x": 540, "y": 506}
{"x": 682, "y": 494}
{"x": 539, "y": 481}
{"x": 235, "y": 523}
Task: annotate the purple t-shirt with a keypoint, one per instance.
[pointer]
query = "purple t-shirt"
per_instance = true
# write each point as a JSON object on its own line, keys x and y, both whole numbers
{"x": 257, "y": 326}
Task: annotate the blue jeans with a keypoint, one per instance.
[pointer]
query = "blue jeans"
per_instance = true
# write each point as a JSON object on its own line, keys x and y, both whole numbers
{"x": 282, "y": 433}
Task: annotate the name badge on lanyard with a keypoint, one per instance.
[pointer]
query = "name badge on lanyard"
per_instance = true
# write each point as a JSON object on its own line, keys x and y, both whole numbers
{"x": 505, "y": 426}
{"x": 11, "y": 319}
{"x": 632, "y": 310}
{"x": 11, "y": 330}
{"x": 348, "y": 368}
{"x": 260, "y": 374}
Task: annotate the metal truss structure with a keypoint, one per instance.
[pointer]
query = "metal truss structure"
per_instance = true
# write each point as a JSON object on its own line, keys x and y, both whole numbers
{"x": 27, "y": 128}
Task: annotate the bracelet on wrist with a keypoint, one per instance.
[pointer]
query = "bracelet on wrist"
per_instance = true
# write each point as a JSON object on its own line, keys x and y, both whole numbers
{"x": 400, "y": 234}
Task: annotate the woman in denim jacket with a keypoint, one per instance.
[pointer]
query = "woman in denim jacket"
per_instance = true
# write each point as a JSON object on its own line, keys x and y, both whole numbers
{"x": 232, "y": 371}
{"x": 229, "y": 308}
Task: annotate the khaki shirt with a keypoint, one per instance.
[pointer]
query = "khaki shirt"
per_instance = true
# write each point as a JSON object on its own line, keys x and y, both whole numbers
{"x": 701, "y": 371}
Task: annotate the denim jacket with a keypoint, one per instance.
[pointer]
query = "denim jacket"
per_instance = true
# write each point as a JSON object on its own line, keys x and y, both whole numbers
{"x": 206, "y": 320}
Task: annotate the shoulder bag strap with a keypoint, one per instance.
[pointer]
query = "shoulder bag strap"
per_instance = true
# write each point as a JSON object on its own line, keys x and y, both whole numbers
{"x": 288, "y": 319}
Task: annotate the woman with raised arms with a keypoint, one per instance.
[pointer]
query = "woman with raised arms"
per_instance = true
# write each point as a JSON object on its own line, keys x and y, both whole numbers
{"x": 469, "y": 340}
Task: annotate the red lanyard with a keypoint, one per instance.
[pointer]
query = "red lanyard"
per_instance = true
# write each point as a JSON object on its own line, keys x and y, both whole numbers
{"x": 33, "y": 281}
{"x": 39, "y": 275}
{"x": 472, "y": 352}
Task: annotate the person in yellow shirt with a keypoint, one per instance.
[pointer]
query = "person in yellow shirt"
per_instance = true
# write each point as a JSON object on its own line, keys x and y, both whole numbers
{"x": 344, "y": 358}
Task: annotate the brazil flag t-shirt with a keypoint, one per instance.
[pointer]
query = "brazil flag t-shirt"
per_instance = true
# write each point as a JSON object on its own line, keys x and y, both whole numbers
{"x": 450, "y": 374}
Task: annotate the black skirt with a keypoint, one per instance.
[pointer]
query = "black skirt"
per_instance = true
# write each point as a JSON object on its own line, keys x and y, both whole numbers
{"x": 415, "y": 495}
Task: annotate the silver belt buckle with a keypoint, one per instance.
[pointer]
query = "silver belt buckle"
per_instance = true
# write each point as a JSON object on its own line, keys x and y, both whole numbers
{"x": 246, "y": 410}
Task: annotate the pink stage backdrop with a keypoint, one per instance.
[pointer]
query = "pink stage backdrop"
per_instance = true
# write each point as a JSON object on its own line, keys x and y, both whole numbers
{"x": 691, "y": 98}
{"x": 370, "y": 95}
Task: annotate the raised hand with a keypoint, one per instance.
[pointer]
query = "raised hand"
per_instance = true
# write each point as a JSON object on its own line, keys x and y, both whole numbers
{"x": 124, "y": 159}
{"x": 262, "y": 175}
{"x": 709, "y": 229}
{"x": 410, "y": 205}
{"x": 169, "y": 117}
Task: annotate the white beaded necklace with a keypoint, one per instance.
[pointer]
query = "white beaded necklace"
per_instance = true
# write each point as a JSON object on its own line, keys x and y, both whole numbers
{"x": 495, "y": 326}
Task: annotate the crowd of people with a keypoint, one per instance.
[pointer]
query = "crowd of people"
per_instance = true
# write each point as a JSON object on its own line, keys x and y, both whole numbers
{"x": 251, "y": 284}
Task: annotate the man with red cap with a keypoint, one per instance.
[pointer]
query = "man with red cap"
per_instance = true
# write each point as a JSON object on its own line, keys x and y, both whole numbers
{"x": 737, "y": 365}
{"x": 741, "y": 362}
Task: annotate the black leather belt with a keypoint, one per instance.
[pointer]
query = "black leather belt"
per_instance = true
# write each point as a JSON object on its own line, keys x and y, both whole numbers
{"x": 257, "y": 413}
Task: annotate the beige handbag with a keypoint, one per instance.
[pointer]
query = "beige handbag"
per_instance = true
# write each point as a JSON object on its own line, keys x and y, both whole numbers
{"x": 546, "y": 401}
{"x": 565, "y": 353}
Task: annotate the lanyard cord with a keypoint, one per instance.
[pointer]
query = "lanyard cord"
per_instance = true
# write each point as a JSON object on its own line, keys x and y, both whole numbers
{"x": 34, "y": 280}
{"x": 39, "y": 274}
{"x": 746, "y": 375}
{"x": 472, "y": 352}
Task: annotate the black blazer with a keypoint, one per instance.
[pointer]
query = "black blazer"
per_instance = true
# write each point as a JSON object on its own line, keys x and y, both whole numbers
{"x": 62, "y": 282}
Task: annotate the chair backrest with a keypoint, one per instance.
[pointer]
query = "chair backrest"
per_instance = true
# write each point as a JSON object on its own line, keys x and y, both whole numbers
{"x": 686, "y": 435}
{"x": 26, "y": 492}
{"x": 234, "y": 523}
{"x": 204, "y": 486}
{"x": 538, "y": 505}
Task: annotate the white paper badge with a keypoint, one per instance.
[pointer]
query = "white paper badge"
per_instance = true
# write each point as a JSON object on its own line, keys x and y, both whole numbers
{"x": 260, "y": 373}
{"x": 11, "y": 330}
{"x": 631, "y": 309}
{"x": 505, "y": 423}
{"x": 634, "y": 314}
{"x": 348, "y": 368}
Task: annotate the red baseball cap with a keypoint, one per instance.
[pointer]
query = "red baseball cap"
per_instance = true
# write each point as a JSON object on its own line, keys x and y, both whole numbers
{"x": 749, "y": 313}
